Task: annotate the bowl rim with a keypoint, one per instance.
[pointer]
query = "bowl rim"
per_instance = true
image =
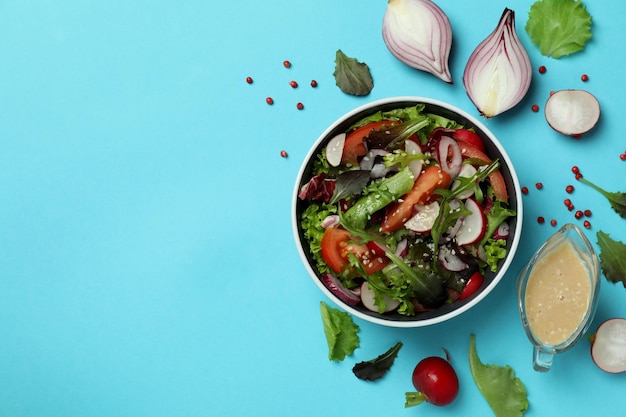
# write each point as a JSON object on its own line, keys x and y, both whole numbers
{"x": 504, "y": 267}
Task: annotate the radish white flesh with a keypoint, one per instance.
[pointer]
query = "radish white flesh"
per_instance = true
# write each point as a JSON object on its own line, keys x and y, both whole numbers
{"x": 336, "y": 287}
{"x": 572, "y": 112}
{"x": 502, "y": 232}
{"x": 450, "y": 260}
{"x": 334, "y": 149}
{"x": 424, "y": 220}
{"x": 473, "y": 227}
{"x": 608, "y": 350}
{"x": 367, "y": 298}
{"x": 413, "y": 148}
{"x": 467, "y": 171}
{"x": 402, "y": 248}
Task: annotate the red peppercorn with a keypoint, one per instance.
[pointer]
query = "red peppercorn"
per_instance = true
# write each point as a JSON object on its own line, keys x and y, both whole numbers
{"x": 579, "y": 214}
{"x": 539, "y": 185}
{"x": 569, "y": 189}
{"x": 300, "y": 106}
{"x": 249, "y": 80}
{"x": 524, "y": 190}
{"x": 535, "y": 108}
{"x": 584, "y": 78}
{"x": 587, "y": 224}
{"x": 567, "y": 202}
{"x": 570, "y": 207}
{"x": 283, "y": 153}
{"x": 587, "y": 213}
{"x": 287, "y": 64}
{"x": 313, "y": 83}
{"x": 541, "y": 220}
{"x": 293, "y": 84}
{"x": 623, "y": 156}
{"x": 542, "y": 69}
{"x": 553, "y": 222}
{"x": 575, "y": 169}
{"x": 269, "y": 101}
{"x": 578, "y": 175}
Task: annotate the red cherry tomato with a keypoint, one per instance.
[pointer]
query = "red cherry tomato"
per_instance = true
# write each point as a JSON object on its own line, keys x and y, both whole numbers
{"x": 473, "y": 284}
{"x": 436, "y": 380}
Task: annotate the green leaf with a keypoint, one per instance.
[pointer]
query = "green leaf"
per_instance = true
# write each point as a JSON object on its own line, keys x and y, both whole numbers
{"x": 341, "y": 332}
{"x": 413, "y": 398}
{"x": 612, "y": 258}
{"x": 616, "y": 199}
{"x": 505, "y": 394}
{"x": 559, "y": 27}
{"x": 377, "y": 368}
{"x": 352, "y": 77}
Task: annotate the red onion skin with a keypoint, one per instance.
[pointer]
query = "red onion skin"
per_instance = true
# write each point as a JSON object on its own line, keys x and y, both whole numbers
{"x": 504, "y": 43}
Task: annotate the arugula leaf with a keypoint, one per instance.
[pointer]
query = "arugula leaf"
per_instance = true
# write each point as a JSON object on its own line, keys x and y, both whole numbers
{"x": 612, "y": 258}
{"x": 341, "y": 332}
{"x": 504, "y": 392}
{"x": 350, "y": 183}
{"x": 617, "y": 199}
{"x": 559, "y": 27}
{"x": 377, "y": 368}
{"x": 352, "y": 77}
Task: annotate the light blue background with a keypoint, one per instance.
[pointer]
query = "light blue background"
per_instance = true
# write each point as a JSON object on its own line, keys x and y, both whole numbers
{"x": 147, "y": 262}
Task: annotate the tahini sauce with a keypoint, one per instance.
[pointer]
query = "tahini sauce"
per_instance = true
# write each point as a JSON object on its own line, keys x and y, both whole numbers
{"x": 557, "y": 295}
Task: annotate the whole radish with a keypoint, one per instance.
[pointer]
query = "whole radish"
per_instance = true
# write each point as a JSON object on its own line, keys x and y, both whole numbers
{"x": 436, "y": 382}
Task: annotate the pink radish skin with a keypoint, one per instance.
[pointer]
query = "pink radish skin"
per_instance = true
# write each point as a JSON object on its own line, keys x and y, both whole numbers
{"x": 474, "y": 225}
{"x": 502, "y": 232}
{"x": 336, "y": 287}
{"x": 367, "y": 298}
{"x": 608, "y": 349}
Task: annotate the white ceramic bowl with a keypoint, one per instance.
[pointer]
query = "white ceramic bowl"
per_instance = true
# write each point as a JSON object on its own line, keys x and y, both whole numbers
{"x": 494, "y": 150}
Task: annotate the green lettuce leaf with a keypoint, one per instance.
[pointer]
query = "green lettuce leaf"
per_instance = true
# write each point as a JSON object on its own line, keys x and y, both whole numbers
{"x": 612, "y": 258}
{"x": 504, "y": 392}
{"x": 559, "y": 27}
{"x": 352, "y": 77}
{"x": 375, "y": 369}
{"x": 341, "y": 332}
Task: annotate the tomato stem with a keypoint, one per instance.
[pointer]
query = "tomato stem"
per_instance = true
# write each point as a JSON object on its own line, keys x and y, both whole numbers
{"x": 413, "y": 399}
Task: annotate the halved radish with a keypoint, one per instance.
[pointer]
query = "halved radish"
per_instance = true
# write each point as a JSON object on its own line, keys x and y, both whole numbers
{"x": 467, "y": 171}
{"x": 474, "y": 225}
{"x": 608, "y": 350}
{"x": 367, "y": 298}
{"x": 450, "y": 259}
{"x": 572, "y": 112}
{"x": 502, "y": 232}
{"x": 336, "y": 287}
{"x": 413, "y": 148}
{"x": 334, "y": 149}
{"x": 424, "y": 220}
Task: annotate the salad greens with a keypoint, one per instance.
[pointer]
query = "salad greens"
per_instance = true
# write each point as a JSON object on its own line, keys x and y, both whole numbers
{"x": 612, "y": 258}
{"x": 616, "y": 199}
{"x": 504, "y": 392}
{"x": 559, "y": 27}
{"x": 341, "y": 332}
{"x": 375, "y": 369}
{"x": 352, "y": 77}
{"x": 400, "y": 265}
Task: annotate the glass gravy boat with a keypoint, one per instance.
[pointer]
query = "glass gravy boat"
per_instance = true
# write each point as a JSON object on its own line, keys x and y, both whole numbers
{"x": 557, "y": 293}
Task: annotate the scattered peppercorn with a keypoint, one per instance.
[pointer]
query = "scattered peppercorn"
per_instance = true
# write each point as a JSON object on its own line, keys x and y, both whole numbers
{"x": 587, "y": 224}
{"x": 293, "y": 84}
{"x": 553, "y": 222}
{"x": 567, "y": 202}
{"x": 269, "y": 101}
{"x": 570, "y": 207}
{"x": 623, "y": 156}
{"x": 249, "y": 80}
{"x": 524, "y": 190}
{"x": 542, "y": 69}
{"x": 584, "y": 78}
{"x": 284, "y": 154}
{"x": 541, "y": 220}
{"x": 539, "y": 185}
{"x": 300, "y": 106}
{"x": 535, "y": 108}
{"x": 579, "y": 214}
{"x": 575, "y": 169}
{"x": 287, "y": 64}
{"x": 569, "y": 189}
{"x": 578, "y": 175}
{"x": 313, "y": 83}
{"x": 587, "y": 213}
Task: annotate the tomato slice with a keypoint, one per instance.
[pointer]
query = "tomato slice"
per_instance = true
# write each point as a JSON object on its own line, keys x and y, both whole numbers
{"x": 469, "y": 137}
{"x": 495, "y": 178}
{"x": 354, "y": 145}
{"x": 431, "y": 178}
{"x": 473, "y": 284}
{"x": 337, "y": 243}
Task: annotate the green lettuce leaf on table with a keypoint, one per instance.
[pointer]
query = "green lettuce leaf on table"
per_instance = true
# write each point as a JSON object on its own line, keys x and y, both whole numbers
{"x": 612, "y": 258}
{"x": 341, "y": 332}
{"x": 559, "y": 27}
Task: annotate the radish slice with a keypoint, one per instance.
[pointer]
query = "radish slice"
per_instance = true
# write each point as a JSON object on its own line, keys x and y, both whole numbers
{"x": 367, "y": 162}
{"x": 412, "y": 148}
{"x": 450, "y": 260}
{"x": 330, "y": 221}
{"x": 424, "y": 220}
{"x": 336, "y": 287}
{"x": 608, "y": 350}
{"x": 367, "y": 298}
{"x": 467, "y": 171}
{"x": 502, "y": 232}
{"x": 473, "y": 227}
{"x": 402, "y": 248}
{"x": 450, "y": 158}
{"x": 572, "y": 112}
{"x": 334, "y": 149}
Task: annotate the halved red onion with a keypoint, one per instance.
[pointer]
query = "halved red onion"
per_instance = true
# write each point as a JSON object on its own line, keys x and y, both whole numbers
{"x": 418, "y": 33}
{"x": 450, "y": 158}
{"x": 498, "y": 73}
{"x": 336, "y": 287}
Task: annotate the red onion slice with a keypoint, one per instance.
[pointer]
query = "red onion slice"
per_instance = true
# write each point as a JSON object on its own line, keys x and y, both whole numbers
{"x": 336, "y": 287}
{"x": 418, "y": 33}
{"x": 498, "y": 73}
{"x": 450, "y": 158}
